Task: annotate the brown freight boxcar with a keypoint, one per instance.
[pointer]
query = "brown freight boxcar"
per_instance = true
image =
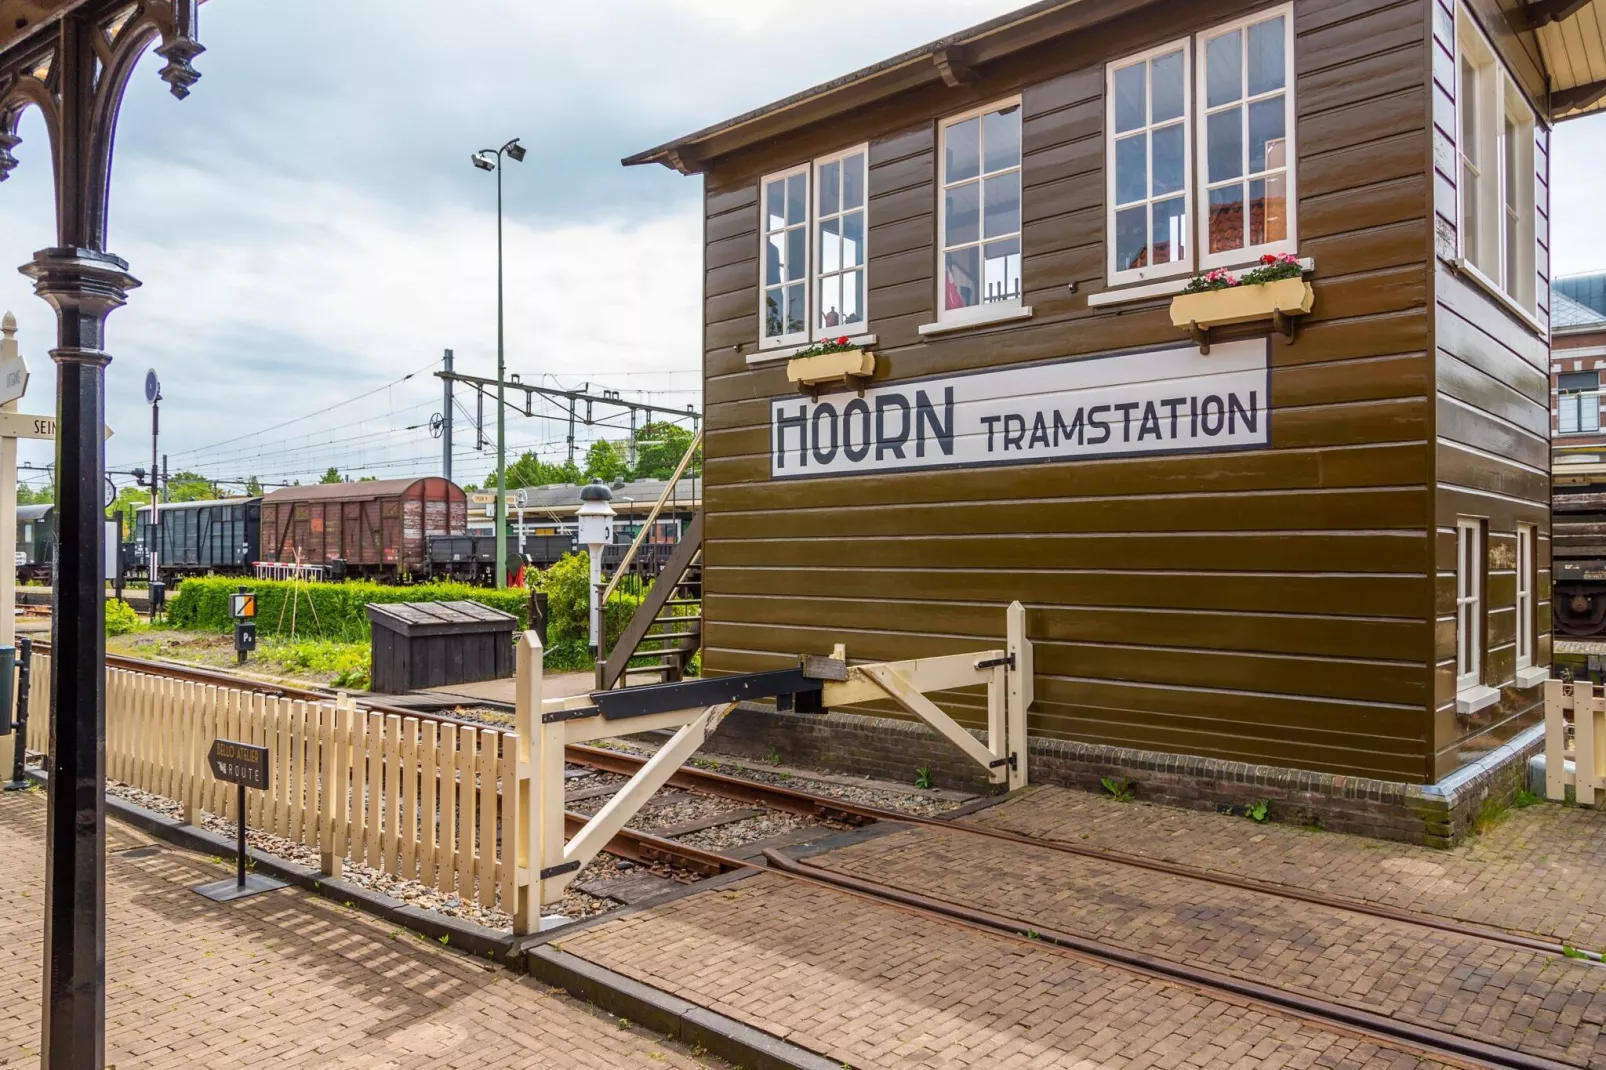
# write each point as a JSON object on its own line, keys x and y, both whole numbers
{"x": 1278, "y": 558}
{"x": 375, "y": 529}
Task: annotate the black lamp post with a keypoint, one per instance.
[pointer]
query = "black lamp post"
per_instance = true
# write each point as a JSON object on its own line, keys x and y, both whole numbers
{"x": 491, "y": 160}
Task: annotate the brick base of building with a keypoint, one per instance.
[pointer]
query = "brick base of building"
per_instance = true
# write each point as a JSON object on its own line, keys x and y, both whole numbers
{"x": 1439, "y": 815}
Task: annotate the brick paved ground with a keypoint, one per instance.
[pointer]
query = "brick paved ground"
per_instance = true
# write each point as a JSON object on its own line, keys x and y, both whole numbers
{"x": 1541, "y": 870}
{"x": 877, "y": 986}
{"x": 282, "y": 979}
{"x": 1539, "y": 1003}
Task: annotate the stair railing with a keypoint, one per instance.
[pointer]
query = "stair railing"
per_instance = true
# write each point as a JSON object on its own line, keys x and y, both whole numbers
{"x": 652, "y": 517}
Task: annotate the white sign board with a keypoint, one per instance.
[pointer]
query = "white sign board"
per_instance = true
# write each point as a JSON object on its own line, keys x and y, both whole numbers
{"x": 13, "y": 377}
{"x": 1172, "y": 400}
{"x": 27, "y": 425}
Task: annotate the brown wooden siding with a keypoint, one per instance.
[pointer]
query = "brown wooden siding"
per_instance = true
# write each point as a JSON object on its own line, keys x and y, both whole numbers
{"x": 1271, "y": 605}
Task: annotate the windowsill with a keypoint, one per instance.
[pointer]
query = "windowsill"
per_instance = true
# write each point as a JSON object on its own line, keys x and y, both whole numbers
{"x": 1466, "y": 267}
{"x": 1475, "y": 699}
{"x": 983, "y": 317}
{"x": 764, "y": 356}
{"x": 1169, "y": 288}
{"x": 1532, "y": 676}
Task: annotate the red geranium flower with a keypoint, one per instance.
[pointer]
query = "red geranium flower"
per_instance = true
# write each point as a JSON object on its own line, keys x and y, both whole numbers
{"x": 1269, "y": 258}
{"x": 842, "y": 341}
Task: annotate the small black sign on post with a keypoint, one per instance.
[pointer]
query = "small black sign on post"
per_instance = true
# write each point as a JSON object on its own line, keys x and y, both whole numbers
{"x": 243, "y": 608}
{"x": 245, "y": 766}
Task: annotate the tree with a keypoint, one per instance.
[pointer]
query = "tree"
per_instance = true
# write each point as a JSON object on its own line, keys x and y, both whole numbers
{"x": 659, "y": 448}
{"x": 331, "y": 476}
{"x": 253, "y": 487}
{"x": 129, "y": 499}
{"x": 190, "y": 487}
{"x": 530, "y": 471}
{"x": 368, "y": 479}
{"x": 45, "y": 495}
{"x": 605, "y": 461}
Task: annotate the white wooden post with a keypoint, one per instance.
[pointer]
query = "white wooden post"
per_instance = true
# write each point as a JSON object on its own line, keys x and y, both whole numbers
{"x": 1022, "y": 689}
{"x": 1584, "y": 703}
{"x": 1555, "y": 743}
{"x": 8, "y": 531}
{"x": 524, "y": 856}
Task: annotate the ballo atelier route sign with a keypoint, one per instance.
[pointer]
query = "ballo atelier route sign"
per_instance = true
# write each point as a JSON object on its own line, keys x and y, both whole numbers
{"x": 246, "y": 766}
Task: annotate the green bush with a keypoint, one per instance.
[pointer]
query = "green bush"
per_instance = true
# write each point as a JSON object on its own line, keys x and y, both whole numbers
{"x": 121, "y": 618}
{"x": 320, "y": 610}
{"x": 567, "y": 585}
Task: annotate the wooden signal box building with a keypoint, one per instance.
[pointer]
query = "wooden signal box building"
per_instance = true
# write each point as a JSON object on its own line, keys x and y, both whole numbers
{"x": 1275, "y": 542}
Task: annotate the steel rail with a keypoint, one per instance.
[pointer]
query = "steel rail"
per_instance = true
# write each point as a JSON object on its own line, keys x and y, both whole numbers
{"x": 1433, "y": 1041}
{"x": 794, "y": 801}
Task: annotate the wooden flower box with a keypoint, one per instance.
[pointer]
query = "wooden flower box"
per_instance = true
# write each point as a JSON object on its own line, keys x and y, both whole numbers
{"x": 852, "y": 367}
{"x": 1242, "y": 304}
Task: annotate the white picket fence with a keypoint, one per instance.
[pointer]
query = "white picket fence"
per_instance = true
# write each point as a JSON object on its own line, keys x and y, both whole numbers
{"x": 413, "y": 797}
{"x": 1575, "y": 731}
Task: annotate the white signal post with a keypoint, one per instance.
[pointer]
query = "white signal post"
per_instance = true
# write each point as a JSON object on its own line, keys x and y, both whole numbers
{"x": 595, "y": 518}
{"x": 13, "y": 384}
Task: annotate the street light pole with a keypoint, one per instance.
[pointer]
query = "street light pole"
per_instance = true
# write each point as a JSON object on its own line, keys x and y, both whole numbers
{"x": 491, "y": 160}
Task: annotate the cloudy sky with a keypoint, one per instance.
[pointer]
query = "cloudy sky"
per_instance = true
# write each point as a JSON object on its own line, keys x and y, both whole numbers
{"x": 309, "y": 230}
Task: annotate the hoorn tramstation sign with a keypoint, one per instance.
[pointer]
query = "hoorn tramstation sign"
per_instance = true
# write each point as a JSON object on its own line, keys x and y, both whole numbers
{"x": 1172, "y": 400}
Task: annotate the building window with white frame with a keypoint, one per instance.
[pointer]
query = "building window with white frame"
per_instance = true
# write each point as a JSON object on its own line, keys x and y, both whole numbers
{"x": 979, "y": 209}
{"x": 1495, "y": 136}
{"x": 1246, "y": 149}
{"x": 1468, "y": 604}
{"x": 1525, "y": 595}
{"x": 1578, "y": 403}
{"x": 1147, "y": 165}
{"x": 814, "y": 250}
{"x": 1199, "y": 151}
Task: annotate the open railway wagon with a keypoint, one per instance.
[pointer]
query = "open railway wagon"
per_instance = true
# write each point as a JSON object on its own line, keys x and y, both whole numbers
{"x": 376, "y": 530}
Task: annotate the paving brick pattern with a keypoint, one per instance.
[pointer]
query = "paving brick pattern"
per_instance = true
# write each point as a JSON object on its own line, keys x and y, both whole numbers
{"x": 874, "y": 985}
{"x": 1539, "y": 1003}
{"x": 1541, "y": 870}
{"x": 282, "y": 979}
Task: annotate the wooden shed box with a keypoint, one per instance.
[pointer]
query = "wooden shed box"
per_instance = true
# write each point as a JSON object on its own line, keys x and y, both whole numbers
{"x": 1310, "y": 565}
{"x": 432, "y": 644}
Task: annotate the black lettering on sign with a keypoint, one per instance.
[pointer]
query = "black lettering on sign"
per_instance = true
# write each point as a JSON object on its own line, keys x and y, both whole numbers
{"x": 992, "y": 426}
{"x": 825, "y": 411}
{"x": 1172, "y": 405}
{"x": 926, "y": 416}
{"x": 858, "y": 408}
{"x": 1206, "y": 414}
{"x": 884, "y": 442}
{"x": 1093, "y": 422}
{"x": 800, "y": 421}
{"x": 1235, "y": 409}
{"x": 1126, "y": 408}
{"x": 1039, "y": 432}
{"x": 1150, "y": 426}
{"x": 1071, "y": 432}
{"x": 1014, "y": 430}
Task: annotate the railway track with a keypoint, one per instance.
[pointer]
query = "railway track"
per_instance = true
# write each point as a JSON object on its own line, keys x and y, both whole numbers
{"x": 648, "y": 849}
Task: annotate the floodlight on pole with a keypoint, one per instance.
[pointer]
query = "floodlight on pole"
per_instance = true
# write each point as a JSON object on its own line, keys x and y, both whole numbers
{"x": 490, "y": 160}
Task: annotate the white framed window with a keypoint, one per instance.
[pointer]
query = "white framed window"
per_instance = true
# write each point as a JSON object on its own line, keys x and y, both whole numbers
{"x": 1525, "y": 595}
{"x": 814, "y": 247}
{"x": 1578, "y": 403}
{"x": 1147, "y": 164}
{"x": 1495, "y": 188}
{"x": 1245, "y": 105}
{"x": 1468, "y": 603}
{"x": 979, "y": 213}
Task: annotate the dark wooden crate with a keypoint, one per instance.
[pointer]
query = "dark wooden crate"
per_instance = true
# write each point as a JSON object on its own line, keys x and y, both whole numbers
{"x": 432, "y": 644}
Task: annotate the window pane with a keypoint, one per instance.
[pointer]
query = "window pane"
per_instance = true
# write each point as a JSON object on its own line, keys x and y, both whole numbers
{"x": 1131, "y": 107}
{"x": 1170, "y": 230}
{"x": 1169, "y": 163}
{"x": 1131, "y": 169}
{"x": 796, "y": 319}
{"x": 1471, "y": 239}
{"x": 830, "y": 246}
{"x": 1227, "y": 218}
{"x": 1266, "y": 69}
{"x": 1001, "y": 269}
{"x": 1224, "y": 67}
{"x": 774, "y": 255}
{"x": 853, "y": 181}
{"x": 1572, "y": 382}
{"x": 773, "y": 327}
{"x": 853, "y": 239}
{"x": 964, "y": 214}
{"x": 796, "y": 255}
{"x": 1266, "y": 134}
{"x": 1131, "y": 238}
{"x": 1226, "y": 134}
{"x": 775, "y": 206}
{"x": 1568, "y": 417}
{"x": 1002, "y": 205}
{"x": 1268, "y": 210}
{"x": 797, "y": 198}
{"x": 1589, "y": 412}
{"x": 960, "y": 281}
{"x": 830, "y": 306}
{"x": 1468, "y": 103}
{"x": 1165, "y": 73}
{"x": 830, "y": 188}
{"x": 963, "y": 150}
{"x": 1000, "y": 138}
{"x": 853, "y": 298}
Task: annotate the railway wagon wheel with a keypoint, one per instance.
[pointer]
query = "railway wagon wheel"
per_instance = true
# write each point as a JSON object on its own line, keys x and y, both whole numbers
{"x": 1579, "y": 611}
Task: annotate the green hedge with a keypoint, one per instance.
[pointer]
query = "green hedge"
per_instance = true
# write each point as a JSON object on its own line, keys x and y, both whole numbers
{"x": 321, "y": 610}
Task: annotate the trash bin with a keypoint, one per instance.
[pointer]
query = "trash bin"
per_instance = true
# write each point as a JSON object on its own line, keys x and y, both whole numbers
{"x": 432, "y": 644}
